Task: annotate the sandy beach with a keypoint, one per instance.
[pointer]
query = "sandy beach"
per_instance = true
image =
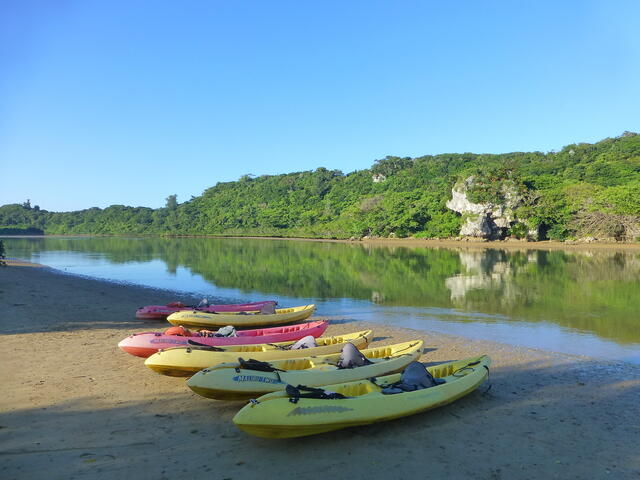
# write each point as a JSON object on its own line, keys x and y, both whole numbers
{"x": 74, "y": 406}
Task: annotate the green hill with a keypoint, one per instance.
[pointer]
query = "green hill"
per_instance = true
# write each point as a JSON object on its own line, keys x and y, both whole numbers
{"x": 582, "y": 190}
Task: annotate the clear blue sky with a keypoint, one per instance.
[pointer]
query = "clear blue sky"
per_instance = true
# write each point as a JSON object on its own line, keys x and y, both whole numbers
{"x": 127, "y": 102}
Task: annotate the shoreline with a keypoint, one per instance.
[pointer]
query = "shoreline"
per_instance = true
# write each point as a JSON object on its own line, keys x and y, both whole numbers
{"x": 76, "y": 406}
{"x": 452, "y": 243}
{"x": 465, "y": 243}
{"x": 189, "y": 298}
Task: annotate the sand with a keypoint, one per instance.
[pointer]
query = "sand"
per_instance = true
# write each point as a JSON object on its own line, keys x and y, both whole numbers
{"x": 74, "y": 406}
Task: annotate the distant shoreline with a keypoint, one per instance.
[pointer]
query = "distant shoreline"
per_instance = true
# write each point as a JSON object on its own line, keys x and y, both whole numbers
{"x": 465, "y": 243}
{"x": 451, "y": 243}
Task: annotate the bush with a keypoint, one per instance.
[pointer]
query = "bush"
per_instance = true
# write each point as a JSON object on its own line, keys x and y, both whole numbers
{"x": 519, "y": 230}
{"x": 558, "y": 232}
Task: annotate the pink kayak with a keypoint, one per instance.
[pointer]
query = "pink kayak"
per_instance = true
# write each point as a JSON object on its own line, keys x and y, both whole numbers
{"x": 161, "y": 312}
{"x": 147, "y": 343}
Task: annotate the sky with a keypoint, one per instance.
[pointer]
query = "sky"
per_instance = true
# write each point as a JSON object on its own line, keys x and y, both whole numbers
{"x": 129, "y": 101}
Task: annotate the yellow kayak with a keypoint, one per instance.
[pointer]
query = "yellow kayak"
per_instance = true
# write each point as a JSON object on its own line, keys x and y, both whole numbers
{"x": 198, "y": 319}
{"x": 275, "y": 415}
{"x": 184, "y": 362}
{"x": 228, "y": 381}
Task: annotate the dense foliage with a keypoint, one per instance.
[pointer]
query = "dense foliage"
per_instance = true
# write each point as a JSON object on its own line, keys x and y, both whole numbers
{"x": 582, "y": 190}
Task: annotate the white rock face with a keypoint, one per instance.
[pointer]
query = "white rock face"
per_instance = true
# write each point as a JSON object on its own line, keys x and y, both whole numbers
{"x": 461, "y": 204}
{"x": 480, "y": 227}
{"x": 484, "y": 220}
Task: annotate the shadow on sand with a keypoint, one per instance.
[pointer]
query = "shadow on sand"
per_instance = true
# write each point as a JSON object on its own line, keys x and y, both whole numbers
{"x": 536, "y": 422}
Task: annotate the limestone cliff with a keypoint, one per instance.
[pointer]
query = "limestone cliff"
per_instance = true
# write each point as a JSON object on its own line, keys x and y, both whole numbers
{"x": 490, "y": 221}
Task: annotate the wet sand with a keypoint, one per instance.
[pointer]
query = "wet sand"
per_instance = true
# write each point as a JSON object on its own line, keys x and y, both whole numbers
{"x": 74, "y": 406}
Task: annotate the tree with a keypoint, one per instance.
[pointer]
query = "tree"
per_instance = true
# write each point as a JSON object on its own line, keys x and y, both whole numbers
{"x": 562, "y": 194}
{"x": 172, "y": 201}
{"x": 389, "y": 165}
{"x": 2, "y": 257}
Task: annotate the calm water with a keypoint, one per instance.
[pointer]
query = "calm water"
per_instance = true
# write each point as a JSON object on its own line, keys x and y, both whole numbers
{"x": 584, "y": 303}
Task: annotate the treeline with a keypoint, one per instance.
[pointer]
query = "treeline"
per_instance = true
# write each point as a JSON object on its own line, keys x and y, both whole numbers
{"x": 582, "y": 190}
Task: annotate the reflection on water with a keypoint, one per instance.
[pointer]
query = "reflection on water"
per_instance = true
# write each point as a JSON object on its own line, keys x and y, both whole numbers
{"x": 479, "y": 273}
{"x": 578, "y": 302}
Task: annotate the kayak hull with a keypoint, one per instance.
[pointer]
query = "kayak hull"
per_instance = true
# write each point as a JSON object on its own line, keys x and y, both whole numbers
{"x": 229, "y": 381}
{"x": 181, "y": 362}
{"x": 282, "y": 316}
{"x": 161, "y": 312}
{"x": 274, "y": 416}
{"x": 146, "y": 344}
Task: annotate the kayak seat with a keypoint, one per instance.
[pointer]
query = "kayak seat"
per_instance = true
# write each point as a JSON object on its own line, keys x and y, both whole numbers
{"x": 228, "y": 331}
{"x": 305, "y": 342}
{"x": 414, "y": 377}
{"x": 351, "y": 357}
{"x": 268, "y": 309}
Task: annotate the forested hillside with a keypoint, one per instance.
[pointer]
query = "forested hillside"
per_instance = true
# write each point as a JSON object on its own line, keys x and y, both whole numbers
{"x": 583, "y": 190}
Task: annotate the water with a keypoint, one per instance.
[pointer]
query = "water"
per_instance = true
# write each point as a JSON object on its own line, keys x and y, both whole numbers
{"x": 584, "y": 303}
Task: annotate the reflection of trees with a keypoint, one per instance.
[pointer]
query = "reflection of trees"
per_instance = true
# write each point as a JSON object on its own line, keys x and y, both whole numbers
{"x": 594, "y": 291}
{"x": 591, "y": 291}
{"x": 396, "y": 276}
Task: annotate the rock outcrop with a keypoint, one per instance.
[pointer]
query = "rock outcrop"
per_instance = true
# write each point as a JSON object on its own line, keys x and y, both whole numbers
{"x": 490, "y": 221}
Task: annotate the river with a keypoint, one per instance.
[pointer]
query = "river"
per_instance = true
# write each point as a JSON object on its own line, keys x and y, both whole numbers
{"x": 576, "y": 302}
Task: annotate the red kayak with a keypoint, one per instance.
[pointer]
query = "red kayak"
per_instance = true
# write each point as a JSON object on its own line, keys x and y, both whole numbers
{"x": 161, "y": 312}
{"x": 147, "y": 343}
